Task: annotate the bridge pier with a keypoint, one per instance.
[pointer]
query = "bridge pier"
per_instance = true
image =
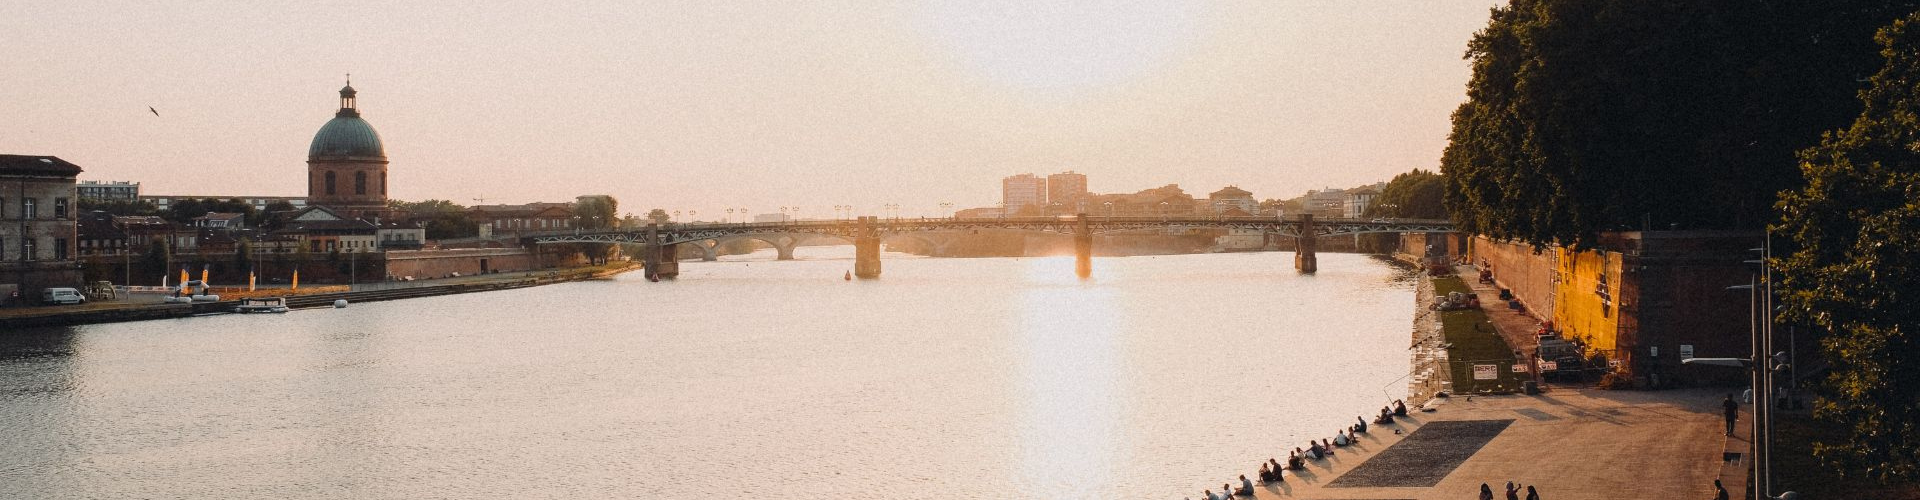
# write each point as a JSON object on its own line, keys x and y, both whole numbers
{"x": 1083, "y": 248}
{"x": 709, "y": 253}
{"x": 660, "y": 261}
{"x": 1303, "y": 258}
{"x": 866, "y": 249}
{"x": 786, "y": 251}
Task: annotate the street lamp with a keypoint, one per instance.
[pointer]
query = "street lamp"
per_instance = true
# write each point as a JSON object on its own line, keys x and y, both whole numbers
{"x": 1109, "y": 211}
{"x": 676, "y": 216}
{"x": 1762, "y": 368}
{"x": 946, "y": 208}
{"x": 729, "y": 216}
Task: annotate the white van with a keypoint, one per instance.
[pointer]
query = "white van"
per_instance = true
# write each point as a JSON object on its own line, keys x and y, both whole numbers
{"x": 62, "y": 296}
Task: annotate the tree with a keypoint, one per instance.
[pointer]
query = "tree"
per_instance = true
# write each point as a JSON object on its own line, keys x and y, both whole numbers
{"x": 158, "y": 256}
{"x": 442, "y": 219}
{"x": 1597, "y": 115}
{"x": 659, "y": 216}
{"x": 1413, "y": 195}
{"x": 265, "y": 217}
{"x": 1854, "y": 271}
{"x": 596, "y": 211}
{"x": 118, "y": 207}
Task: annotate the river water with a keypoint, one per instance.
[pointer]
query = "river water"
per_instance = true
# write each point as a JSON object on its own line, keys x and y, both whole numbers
{"x": 745, "y": 378}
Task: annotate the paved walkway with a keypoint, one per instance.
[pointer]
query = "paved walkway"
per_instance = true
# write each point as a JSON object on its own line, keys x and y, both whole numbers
{"x": 1572, "y": 444}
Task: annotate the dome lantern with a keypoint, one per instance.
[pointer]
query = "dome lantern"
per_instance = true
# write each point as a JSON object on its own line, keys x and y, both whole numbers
{"x": 346, "y": 99}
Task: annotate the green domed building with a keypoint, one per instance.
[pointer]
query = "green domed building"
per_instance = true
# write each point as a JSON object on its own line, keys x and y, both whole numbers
{"x": 347, "y": 165}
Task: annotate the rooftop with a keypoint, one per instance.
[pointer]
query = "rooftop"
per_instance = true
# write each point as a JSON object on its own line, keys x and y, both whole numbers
{"x": 37, "y": 165}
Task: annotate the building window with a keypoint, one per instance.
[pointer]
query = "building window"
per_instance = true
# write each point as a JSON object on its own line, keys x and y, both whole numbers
{"x": 3, "y": 249}
{"x": 29, "y": 208}
{"x": 383, "y": 183}
{"x": 3, "y": 208}
{"x": 59, "y": 249}
{"x": 360, "y": 182}
{"x": 329, "y": 183}
{"x": 59, "y": 208}
{"x": 28, "y": 251}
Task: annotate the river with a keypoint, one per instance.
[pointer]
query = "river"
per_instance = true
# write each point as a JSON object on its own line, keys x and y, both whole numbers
{"x": 745, "y": 378}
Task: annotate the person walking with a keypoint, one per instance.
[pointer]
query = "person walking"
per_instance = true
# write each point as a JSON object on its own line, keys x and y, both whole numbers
{"x": 1486, "y": 492}
{"x": 1733, "y": 412}
{"x": 1532, "y": 495}
{"x": 1513, "y": 492}
{"x": 1719, "y": 492}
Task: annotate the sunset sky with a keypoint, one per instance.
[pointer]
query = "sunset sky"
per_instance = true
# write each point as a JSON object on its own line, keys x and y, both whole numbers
{"x": 706, "y": 105}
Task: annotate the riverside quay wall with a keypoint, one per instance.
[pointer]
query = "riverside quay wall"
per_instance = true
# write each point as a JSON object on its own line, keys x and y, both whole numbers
{"x": 228, "y": 269}
{"x": 1644, "y": 299}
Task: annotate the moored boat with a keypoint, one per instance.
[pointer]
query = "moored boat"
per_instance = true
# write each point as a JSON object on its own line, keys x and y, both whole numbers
{"x": 262, "y": 305}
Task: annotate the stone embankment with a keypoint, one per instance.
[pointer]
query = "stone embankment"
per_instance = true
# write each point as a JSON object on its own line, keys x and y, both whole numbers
{"x": 119, "y": 312}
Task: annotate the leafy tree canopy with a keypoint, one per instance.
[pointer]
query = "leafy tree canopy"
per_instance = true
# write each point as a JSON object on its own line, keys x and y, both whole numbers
{"x": 1413, "y": 195}
{"x": 1594, "y": 115}
{"x": 442, "y": 219}
{"x": 1855, "y": 225}
{"x": 184, "y": 210}
{"x": 596, "y": 211}
{"x": 119, "y": 207}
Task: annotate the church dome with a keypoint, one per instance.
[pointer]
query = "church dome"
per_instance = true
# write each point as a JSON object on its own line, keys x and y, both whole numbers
{"x": 346, "y": 136}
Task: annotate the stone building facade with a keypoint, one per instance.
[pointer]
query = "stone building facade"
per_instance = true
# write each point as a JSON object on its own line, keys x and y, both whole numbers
{"x": 37, "y": 226}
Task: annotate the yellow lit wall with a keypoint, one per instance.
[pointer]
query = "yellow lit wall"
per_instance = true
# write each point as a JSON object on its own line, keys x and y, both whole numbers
{"x": 1587, "y": 294}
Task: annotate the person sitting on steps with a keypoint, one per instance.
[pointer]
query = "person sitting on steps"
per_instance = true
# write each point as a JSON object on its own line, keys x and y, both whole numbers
{"x": 1246, "y": 487}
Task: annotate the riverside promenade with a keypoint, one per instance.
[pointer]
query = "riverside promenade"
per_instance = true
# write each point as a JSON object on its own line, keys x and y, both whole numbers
{"x": 1571, "y": 444}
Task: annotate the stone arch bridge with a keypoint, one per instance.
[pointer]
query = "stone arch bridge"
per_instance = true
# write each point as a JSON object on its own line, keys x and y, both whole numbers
{"x": 866, "y": 234}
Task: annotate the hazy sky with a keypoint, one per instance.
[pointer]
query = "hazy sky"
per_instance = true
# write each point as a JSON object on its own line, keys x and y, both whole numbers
{"x": 707, "y": 105}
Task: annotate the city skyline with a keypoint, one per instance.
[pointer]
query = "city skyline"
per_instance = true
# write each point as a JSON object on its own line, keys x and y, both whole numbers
{"x": 676, "y": 106}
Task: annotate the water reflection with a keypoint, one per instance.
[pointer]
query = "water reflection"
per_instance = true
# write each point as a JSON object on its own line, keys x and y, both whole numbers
{"x": 1070, "y": 378}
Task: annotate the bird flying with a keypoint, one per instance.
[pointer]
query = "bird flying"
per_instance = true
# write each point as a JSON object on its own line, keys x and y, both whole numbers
{"x": 155, "y": 111}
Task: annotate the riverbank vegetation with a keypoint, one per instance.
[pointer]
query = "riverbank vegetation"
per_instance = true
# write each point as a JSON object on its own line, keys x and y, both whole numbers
{"x": 1588, "y": 116}
{"x": 1856, "y": 268}
{"x": 1472, "y": 340}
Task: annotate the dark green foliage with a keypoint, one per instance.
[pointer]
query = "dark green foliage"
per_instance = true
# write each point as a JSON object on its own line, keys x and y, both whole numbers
{"x": 596, "y": 211}
{"x": 442, "y": 219}
{"x": 157, "y": 256}
{"x": 1595, "y": 115}
{"x": 1412, "y": 195}
{"x": 184, "y": 210}
{"x": 1856, "y": 269}
{"x": 119, "y": 207}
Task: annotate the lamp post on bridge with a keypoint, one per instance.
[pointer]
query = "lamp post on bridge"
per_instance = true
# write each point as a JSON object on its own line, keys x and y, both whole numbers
{"x": 946, "y": 209}
{"x": 1109, "y": 211}
{"x": 729, "y": 217}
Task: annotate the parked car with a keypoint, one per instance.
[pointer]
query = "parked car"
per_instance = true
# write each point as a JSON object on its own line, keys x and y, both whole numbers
{"x": 62, "y": 296}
